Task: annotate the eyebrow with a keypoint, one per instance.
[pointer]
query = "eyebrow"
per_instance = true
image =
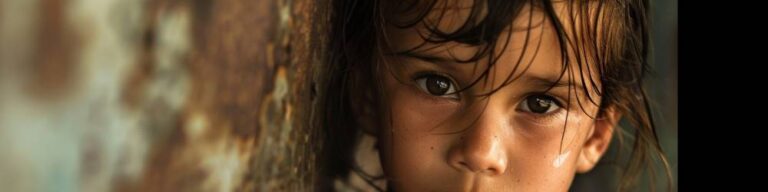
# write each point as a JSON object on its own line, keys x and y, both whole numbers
{"x": 442, "y": 62}
{"x": 547, "y": 82}
{"x": 425, "y": 57}
{"x": 540, "y": 81}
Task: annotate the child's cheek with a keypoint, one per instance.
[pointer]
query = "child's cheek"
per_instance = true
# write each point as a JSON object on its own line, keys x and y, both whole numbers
{"x": 411, "y": 150}
{"x": 423, "y": 112}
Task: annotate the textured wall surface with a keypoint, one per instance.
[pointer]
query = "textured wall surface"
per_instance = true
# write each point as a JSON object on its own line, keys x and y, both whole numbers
{"x": 155, "y": 95}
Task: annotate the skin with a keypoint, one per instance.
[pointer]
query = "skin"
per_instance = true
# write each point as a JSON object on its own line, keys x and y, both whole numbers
{"x": 460, "y": 142}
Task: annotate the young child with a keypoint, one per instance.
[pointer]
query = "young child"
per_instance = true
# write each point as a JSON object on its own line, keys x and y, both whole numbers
{"x": 494, "y": 95}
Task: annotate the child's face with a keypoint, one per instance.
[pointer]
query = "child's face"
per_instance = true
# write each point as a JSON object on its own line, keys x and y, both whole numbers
{"x": 515, "y": 140}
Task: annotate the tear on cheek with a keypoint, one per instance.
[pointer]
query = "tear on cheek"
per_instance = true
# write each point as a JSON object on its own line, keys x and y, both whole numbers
{"x": 560, "y": 159}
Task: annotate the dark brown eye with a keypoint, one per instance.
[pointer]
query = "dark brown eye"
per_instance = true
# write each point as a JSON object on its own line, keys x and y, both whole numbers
{"x": 437, "y": 85}
{"x": 539, "y": 104}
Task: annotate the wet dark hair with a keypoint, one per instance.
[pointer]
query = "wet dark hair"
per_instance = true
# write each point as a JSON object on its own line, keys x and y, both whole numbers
{"x": 617, "y": 48}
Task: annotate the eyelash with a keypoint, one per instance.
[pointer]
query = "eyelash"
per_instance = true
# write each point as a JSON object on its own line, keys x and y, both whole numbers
{"x": 546, "y": 117}
{"x": 451, "y": 94}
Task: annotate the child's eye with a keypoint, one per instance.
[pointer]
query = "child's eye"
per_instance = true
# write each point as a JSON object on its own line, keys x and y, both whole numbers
{"x": 437, "y": 85}
{"x": 539, "y": 104}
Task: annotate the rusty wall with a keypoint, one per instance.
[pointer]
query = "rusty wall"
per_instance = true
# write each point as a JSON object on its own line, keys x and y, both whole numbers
{"x": 157, "y": 95}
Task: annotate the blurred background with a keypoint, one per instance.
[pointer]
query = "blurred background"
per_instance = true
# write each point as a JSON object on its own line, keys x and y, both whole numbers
{"x": 193, "y": 95}
{"x": 155, "y": 95}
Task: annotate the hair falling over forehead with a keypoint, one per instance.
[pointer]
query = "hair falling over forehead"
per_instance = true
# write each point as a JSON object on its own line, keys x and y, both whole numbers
{"x": 603, "y": 44}
{"x": 484, "y": 27}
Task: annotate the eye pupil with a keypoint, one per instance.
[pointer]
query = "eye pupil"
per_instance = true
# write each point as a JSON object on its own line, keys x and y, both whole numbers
{"x": 539, "y": 104}
{"x": 437, "y": 85}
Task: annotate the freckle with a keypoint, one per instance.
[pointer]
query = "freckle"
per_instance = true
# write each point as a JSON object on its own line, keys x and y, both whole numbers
{"x": 431, "y": 148}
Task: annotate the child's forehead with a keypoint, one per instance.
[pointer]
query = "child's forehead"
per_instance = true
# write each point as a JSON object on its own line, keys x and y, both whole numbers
{"x": 532, "y": 48}
{"x": 528, "y": 55}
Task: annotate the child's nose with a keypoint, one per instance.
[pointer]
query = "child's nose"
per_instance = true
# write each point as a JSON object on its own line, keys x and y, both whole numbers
{"x": 481, "y": 148}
